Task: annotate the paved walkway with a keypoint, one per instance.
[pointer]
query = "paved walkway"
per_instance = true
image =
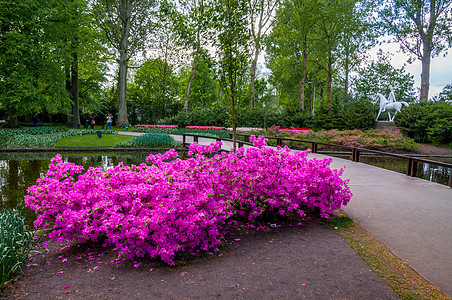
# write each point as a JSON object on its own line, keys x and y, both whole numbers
{"x": 411, "y": 216}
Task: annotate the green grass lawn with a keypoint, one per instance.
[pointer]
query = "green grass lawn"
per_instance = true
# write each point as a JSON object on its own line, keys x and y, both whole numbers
{"x": 92, "y": 141}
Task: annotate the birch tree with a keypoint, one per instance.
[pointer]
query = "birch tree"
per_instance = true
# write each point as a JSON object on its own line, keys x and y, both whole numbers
{"x": 423, "y": 28}
{"x": 128, "y": 25}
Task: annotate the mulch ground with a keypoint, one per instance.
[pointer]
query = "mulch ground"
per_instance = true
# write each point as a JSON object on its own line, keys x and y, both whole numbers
{"x": 291, "y": 261}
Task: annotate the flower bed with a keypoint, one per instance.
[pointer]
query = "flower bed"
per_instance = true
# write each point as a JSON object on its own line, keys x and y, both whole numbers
{"x": 206, "y": 127}
{"x": 156, "y": 126}
{"x": 370, "y": 139}
{"x": 161, "y": 209}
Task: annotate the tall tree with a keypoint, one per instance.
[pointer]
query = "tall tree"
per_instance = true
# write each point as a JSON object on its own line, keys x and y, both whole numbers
{"x": 423, "y": 28}
{"x": 203, "y": 85}
{"x": 358, "y": 34}
{"x": 330, "y": 30}
{"x": 292, "y": 37}
{"x": 191, "y": 24}
{"x": 377, "y": 76}
{"x": 127, "y": 25}
{"x": 31, "y": 59}
{"x": 233, "y": 50}
{"x": 154, "y": 89}
{"x": 261, "y": 17}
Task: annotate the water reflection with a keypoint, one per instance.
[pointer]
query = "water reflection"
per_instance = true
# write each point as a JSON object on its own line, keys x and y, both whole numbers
{"x": 19, "y": 171}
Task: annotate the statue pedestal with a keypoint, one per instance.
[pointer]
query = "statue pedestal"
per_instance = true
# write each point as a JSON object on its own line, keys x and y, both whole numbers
{"x": 390, "y": 126}
{"x": 385, "y": 125}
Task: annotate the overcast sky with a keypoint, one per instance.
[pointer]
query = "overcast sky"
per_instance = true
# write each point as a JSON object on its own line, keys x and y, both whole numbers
{"x": 440, "y": 68}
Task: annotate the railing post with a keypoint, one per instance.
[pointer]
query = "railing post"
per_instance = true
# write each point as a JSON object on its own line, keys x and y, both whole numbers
{"x": 247, "y": 138}
{"x": 240, "y": 144}
{"x": 278, "y": 141}
{"x": 413, "y": 168}
{"x": 355, "y": 154}
{"x": 183, "y": 141}
{"x": 231, "y": 135}
{"x": 408, "y": 167}
{"x": 195, "y": 138}
{"x": 450, "y": 178}
{"x": 314, "y": 147}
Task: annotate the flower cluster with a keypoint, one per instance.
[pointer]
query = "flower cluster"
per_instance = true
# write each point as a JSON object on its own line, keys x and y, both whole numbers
{"x": 206, "y": 127}
{"x": 164, "y": 207}
{"x": 245, "y": 129}
{"x": 156, "y": 126}
{"x": 371, "y": 139}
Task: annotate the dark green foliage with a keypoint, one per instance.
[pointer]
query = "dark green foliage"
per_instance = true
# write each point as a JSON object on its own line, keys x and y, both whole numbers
{"x": 441, "y": 132}
{"x": 170, "y": 130}
{"x": 359, "y": 114}
{"x": 153, "y": 92}
{"x": 210, "y": 116}
{"x": 328, "y": 121}
{"x": 151, "y": 140}
{"x": 427, "y": 121}
{"x": 258, "y": 117}
{"x": 15, "y": 243}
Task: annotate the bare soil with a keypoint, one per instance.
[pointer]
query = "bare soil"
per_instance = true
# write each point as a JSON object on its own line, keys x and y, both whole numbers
{"x": 429, "y": 149}
{"x": 291, "y": 261}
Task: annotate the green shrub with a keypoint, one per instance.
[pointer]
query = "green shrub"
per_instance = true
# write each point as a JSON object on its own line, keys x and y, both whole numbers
{"x": 427, "y": 121}
{"x": 359, "y": 114}
{"x": 150, "y": 140}
{"x": 15, "y": 243}
{"x": 441, "y": 132}
{"x": 328, "y": 121}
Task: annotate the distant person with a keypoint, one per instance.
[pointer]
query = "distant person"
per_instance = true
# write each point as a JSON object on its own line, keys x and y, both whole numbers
{"x": 35, "y": 120}
{"x": 109, "y": 120}
{"x": 92, "y": 122}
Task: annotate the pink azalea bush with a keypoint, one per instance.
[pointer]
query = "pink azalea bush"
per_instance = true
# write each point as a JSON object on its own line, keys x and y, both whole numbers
{"x": 371, "y": 139}
{"x": 160, "y": 209}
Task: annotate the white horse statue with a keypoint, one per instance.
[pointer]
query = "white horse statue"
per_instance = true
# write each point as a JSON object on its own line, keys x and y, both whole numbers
{"x": 389, "y": 106}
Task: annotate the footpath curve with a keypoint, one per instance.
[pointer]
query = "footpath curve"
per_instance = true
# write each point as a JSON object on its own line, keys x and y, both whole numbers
{"x": 411, "y": 216}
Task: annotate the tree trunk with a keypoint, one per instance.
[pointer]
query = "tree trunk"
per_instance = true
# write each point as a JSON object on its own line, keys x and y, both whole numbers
{"x": 234, "y": 125}
{"x": 347, "y": 73}
{"x": 124, "y": 8}
{"x": 425, "y": 75}
{"x": 220, "y": 93}
{"x": 253, "y": 77}
{"x": 67, "y": 71}
{"x": 74, "y": 88}
{"x": 190, "y": 81}
{"x": 12, "y": 120}
{"x": 330, "y": 82}
{"x": 303, "y": 76}
{"x": 122, "y": 105}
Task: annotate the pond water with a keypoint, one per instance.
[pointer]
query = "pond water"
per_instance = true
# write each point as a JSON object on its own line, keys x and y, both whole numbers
{"x": 19, "y": 171}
